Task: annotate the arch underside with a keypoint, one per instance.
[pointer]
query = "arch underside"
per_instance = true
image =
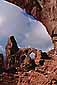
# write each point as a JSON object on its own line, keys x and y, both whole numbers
{"x": 43, "y": 10}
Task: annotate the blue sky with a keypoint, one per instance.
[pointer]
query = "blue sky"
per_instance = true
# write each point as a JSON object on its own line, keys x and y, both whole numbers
{"x": 27, "y": 31}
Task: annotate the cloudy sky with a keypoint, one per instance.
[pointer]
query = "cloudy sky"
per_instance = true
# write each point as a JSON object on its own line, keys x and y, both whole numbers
{"x": 27, "y": 31}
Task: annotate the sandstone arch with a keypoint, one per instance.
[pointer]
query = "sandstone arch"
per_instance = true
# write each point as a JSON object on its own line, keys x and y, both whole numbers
{"x": 43, "y": 10}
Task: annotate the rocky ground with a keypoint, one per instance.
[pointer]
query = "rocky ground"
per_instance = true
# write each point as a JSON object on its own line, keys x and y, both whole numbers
{"x": 42, "y": 75}
{"x": 45, "y": 74}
